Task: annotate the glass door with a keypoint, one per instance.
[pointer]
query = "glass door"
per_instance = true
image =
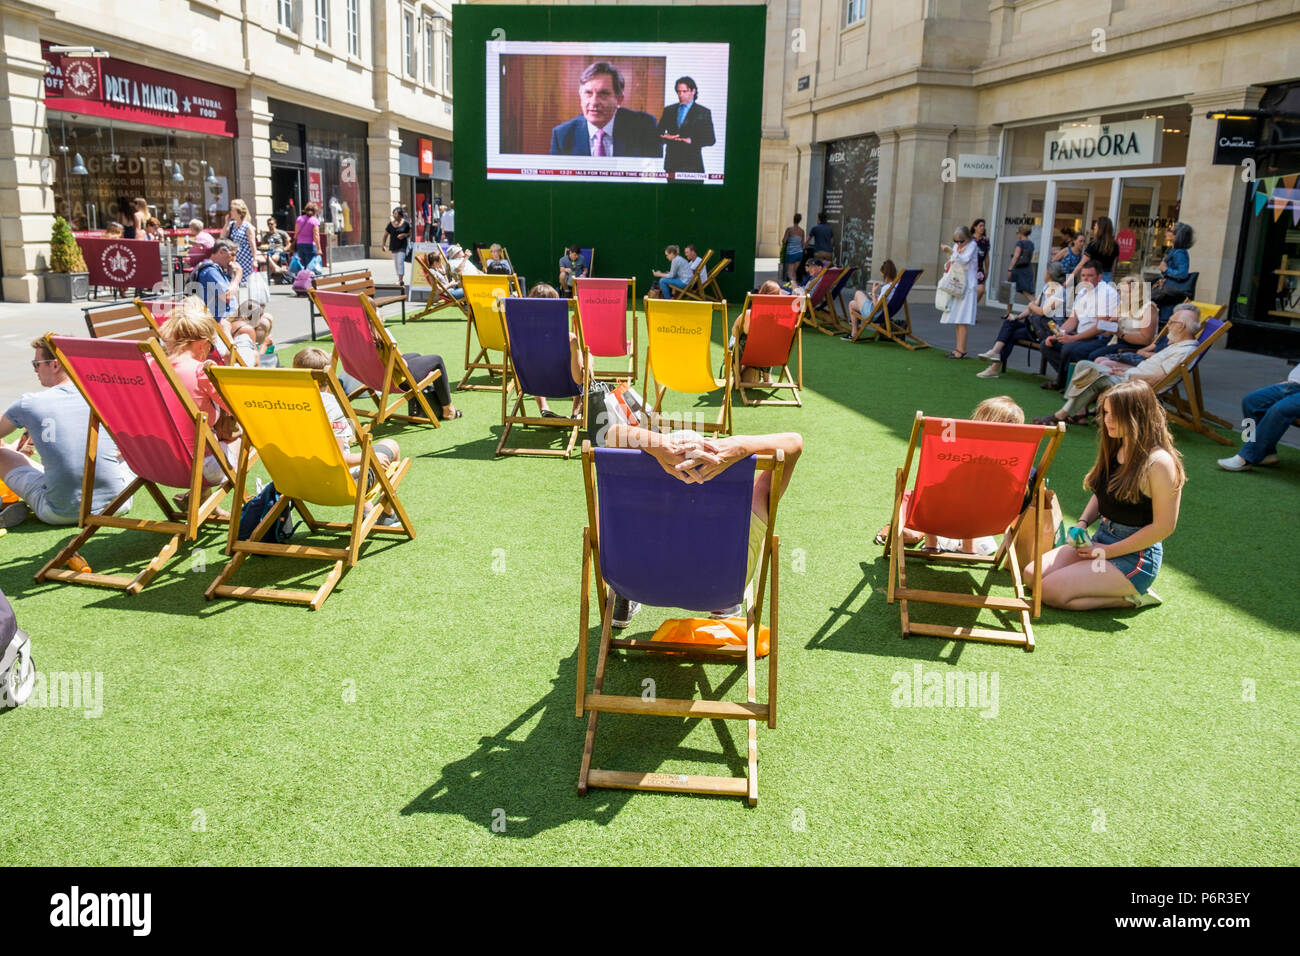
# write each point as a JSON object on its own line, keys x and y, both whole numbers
{"x": 1021, "y": 204}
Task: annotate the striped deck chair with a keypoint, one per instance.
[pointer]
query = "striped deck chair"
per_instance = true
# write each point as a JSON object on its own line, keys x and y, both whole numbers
{"x": 973, "y": 479}
{"x": 891, "y": 318}
{"x": 161, "y": 436}
{"x": 663, "y": 543}
{"x": 537, "y": 364}
{"x": 775, "y": 330}
{"x": 602, "y": 307}
{"x": 368, "y": 354}
{"x": 679, "y": 335}
{"x": 484, "y": 294}
{"x": 283, "y": 415}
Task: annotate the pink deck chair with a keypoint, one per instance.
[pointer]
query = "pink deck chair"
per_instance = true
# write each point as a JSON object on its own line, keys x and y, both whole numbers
{"x": 603, "y": 317}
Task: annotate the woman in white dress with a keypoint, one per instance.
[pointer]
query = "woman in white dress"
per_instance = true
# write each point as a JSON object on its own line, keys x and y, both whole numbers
{"x": 961, "y": 309}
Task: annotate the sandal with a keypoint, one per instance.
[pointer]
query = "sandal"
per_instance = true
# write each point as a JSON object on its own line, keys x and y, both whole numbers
{"x": 1080, "y": 419}
{"x": 954, "y": 354}
{"x": 459, "y": 414}
{"x": 1048, "y": 420}
{"x": 1049, "y": 386}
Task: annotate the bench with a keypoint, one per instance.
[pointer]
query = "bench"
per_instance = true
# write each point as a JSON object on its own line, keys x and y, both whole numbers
{"x": 357, "y": 283}
{"x": 117, "y": 321}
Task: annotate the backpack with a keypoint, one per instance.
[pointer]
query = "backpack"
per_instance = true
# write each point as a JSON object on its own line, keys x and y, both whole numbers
{"x": 256, "y": 508}
{"x": 303, "y": 281}
{"x": 17, "y": 672}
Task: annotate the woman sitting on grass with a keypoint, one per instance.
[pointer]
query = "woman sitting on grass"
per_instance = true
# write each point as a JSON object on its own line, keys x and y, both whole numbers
{"x": 1136, "y": 484}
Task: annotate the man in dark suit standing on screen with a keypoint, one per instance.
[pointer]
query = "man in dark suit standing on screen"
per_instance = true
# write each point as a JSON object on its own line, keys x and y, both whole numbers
{"x": 605, "y": 128}
{"x": 686, "y": 127}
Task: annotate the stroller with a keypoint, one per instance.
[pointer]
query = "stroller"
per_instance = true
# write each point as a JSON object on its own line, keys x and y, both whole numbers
{"x": 17, "y": 673}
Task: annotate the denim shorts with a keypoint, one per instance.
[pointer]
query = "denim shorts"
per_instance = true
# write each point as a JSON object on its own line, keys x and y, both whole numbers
{"x": 1139, "y": 567}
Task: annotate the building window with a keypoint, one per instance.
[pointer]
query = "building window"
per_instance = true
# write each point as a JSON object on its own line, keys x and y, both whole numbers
{"x": 854, "y": 11}
{"x": 354, "y": 27}
{"x": 323, "y": 21}
{"x": 284, "y": 13}
{"x": 428, "y": 52}
{"x": 446, "y": 63}
{"x": 408, "y": 42}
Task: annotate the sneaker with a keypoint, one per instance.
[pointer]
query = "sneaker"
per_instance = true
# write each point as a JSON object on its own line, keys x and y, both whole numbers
{"x": 991, "y": 356}
{"x": 1150, "y": 599}
{"x": 1235, "y": 463}
{"x": 12, "y": 515}
{"x": 389, "y": 519}
{"x": 993, "y": 371}
{"x": 1268, "y": 460}
{"x": 624, "y": 611}
{"x": 736, "y": 610}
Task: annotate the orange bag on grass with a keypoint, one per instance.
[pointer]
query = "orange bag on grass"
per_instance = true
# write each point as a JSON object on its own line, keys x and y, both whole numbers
{"x": 710, "y": 632}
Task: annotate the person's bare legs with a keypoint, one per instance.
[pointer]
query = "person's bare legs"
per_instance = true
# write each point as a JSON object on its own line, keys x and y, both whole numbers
{"x": 962, "y": 332}
{"x": 1074, "y": 583}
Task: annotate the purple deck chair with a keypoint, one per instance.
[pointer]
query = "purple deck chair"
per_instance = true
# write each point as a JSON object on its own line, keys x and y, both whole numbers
{"x": 537, "y": 364}
{"x": 891, "y": 318}
{"x": 664, "y": 543}
{"x": 590, "y": 256}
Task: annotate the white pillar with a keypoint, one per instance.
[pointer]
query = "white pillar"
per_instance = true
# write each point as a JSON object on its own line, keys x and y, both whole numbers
{"x": 253, "y": 152}
{"x": 384, "y": 144}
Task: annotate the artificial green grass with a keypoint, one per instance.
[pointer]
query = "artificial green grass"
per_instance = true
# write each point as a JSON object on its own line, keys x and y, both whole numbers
{"x": 426, "y": 713}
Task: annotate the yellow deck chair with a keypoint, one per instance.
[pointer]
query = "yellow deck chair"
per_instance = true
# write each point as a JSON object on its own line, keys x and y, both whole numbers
{"x": 677, "y": 358}
{"x": 283, "y": 415}
{"x": 484, "y": 294}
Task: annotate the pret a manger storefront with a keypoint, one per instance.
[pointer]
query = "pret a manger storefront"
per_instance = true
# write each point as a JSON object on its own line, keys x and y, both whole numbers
{"x": 119, "y": 130}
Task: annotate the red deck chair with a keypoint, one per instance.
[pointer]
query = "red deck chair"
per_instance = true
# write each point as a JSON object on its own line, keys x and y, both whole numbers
{"x": 817, "y": 296}
{"x": 161, "y": 436}
{"x": 972, "y": 479}
{"x": 603, "y": 317}
{"x": 158, "y": 311}
{"x": 775, "y": 330}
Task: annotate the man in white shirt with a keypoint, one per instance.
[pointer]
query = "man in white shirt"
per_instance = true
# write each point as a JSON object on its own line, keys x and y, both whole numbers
{"x": 1090, "y": 325}
{"x": 448, "y": 223}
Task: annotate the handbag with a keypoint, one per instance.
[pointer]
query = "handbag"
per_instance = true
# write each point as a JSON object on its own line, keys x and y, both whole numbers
{"x": 258, "y": 290}
{"x": 942, "y": 300}
{"x": 953, "y": 280}
{"x": 1050, "y": 530}
{"x": 1171, "y": 291}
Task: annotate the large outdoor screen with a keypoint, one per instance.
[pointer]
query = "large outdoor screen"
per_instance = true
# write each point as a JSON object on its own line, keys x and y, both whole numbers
{"x": 606, "y": 112}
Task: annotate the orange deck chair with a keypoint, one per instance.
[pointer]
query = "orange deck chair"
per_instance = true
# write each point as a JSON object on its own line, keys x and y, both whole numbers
{"x": 775, "y": 331}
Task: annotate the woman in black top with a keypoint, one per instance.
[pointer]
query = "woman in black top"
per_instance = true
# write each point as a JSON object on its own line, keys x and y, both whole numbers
{"x": 396, "y": 236}
{"x": 980, "y": 233}
{"x": 1102, "y": 249}
{"x": 1136, "y": 486}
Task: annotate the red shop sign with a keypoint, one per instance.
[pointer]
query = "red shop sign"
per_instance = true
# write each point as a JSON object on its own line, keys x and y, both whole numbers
{"x": 426, "y": 157}
{"x": 115, "y": 89}
{"x": 1127, "y": 243}
{"x": 123, "y": 263}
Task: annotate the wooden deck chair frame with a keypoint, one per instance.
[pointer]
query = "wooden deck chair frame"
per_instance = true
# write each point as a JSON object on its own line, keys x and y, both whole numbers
{"x": 692, "y": 288}
{"x": 439, "y": 294}
{"x": 824, "y": 279}
{"x": 836, "y": 323}
{"x": 710, "y": 281}
{"x": 360, "y": 527}
{"x": 396, "y": 372}
{"x": 484, "y": 255}
{"x": 1180, "y": 390}
{"x": 784, "y": 379}
{"x": 147, "y": 312}
{"x": 887, "y": 326}
{"x": 178, "y": 526}
{"x": 482, "y": 361}
{"x": 612, "y": 375}
{"x": 839, "y": 311}
{"x": 592, "y": 704}
{"x": 119, "y": 320}
{"x": 657, "y": 420}
{"x": 512, "y": 417}
{"x": 1026, "y": 607}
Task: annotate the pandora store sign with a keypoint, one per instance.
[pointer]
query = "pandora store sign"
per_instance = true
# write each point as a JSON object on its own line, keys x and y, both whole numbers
{"x": 1092, "y": 145}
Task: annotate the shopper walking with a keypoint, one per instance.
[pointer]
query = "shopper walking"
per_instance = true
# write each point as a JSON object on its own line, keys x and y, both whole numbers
{"x": 397, "y": 235}
{"x": 239, "y": 230}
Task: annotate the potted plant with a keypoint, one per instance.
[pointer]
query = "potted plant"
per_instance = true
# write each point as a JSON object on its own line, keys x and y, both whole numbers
{"x": 67, "y": 279}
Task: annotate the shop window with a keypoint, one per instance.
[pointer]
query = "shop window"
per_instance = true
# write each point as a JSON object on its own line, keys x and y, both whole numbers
{"x": 334, "y": 179}
{"x": 354, "y": 27}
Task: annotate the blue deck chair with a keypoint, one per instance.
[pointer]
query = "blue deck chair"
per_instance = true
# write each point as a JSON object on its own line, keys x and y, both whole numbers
{"x": 537, "y": 363}
{"x": 891, "y": 319}
{"x": 664, "y": 543}
{"x": 590, "y": 256}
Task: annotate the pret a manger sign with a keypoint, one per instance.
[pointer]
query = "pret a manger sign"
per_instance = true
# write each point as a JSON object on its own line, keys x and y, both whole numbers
{"x": 1092, "y": 145}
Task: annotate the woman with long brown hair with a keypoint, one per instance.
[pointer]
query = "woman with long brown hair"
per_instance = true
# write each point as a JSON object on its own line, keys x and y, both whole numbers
{"x": 1102, "y": 249}
{"x": 1136, "y": 484}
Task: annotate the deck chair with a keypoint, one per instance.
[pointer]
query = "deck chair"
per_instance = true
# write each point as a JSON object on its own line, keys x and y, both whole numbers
{"x": 602, "y": 307}
{"x": 283, "y": 415}
{"x": 972, "y": 479}
{"x": 439, "y": 293}
{"x": 677, "y": 358}
{"x": 775, "y": 330}
{"x": 537, "y": 363}
{"x": 891, "y": 319}
{"x": 707, "y": 288}
{"x": 484, "y": 294}
{"x": 663, "y": 543}
{"x": 121, "y": 320}
{"x": 692, "y": 288}
{"x": 590, "y": 256}
{"x": 484, "y": 255}
{"x": 156, "y": 312}
{"x": 368, "y": 354}
{"x": 1180, "y": 390}
{"x": 161, "y": 436}
{"x": 837, "y": 290}
{"x": 817, "y": 294}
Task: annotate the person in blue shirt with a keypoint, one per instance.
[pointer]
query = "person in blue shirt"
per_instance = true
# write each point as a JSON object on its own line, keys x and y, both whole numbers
{"x": 217, "y": 278}
{"x": 686, "y": 128}
{"x": 1175, "y": 268}
{"x": 678, "y": 275}
{"x": 573, "y": 265}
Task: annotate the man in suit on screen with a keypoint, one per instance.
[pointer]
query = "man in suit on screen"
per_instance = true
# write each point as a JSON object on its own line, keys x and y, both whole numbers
{"x": 605, "y": 128}
{"x": 686, "y": 127}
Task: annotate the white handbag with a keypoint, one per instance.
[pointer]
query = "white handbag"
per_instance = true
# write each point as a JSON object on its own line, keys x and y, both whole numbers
{"x": 258, "y": 291}
{"x": 953, "y": 281}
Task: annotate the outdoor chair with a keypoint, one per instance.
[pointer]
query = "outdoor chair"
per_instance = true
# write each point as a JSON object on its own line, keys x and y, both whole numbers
{"x": 484, "y": 293}
{"x": 440, "y": 296}
{"x": 775, "y": 331}
{"x": 1180, "y": 390}
{"x": 677, "y": 358}
{"x": 692, "y": 288}
{"x": 890, "y": 318}
{"x": 537, "y": 364}
{"x": 602, "y": 309}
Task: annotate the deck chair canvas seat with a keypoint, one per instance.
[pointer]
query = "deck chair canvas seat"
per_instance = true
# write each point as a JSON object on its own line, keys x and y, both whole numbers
{"x": 484, "y": 294}
{"x": 973, "y": 479}
{"x": 817, "y": 295}
{"x": 660, "y": 542}
{"x": 369, "y": 355}
{"x": 891, "y": 319}
{"x": 537, "y": 360}
{"x": 602, "y": 309}
{"x": 1180, "y": 390}
{"x": 775, "y": 332}
{"x": 590, "y": 256}
{"x": 283, "y": 414}
{"x": 161, "y": 436}
{"x": 707, "y": 289}
{"x": 677, "y": 358}
{"x": 440, "y": 296}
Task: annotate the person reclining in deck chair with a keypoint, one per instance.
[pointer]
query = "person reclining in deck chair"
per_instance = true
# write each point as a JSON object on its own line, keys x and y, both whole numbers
{"x": 740, "y": 332}
{"x": 256, "y": 323}
{"x": 864, "y": 302}
{"x": 55, "y": 421}
{"x": 543, "y": 291}
{"x": 690, "y": 457}
{"x": 497, "y": 263}
{"x": 386, "y": 449}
